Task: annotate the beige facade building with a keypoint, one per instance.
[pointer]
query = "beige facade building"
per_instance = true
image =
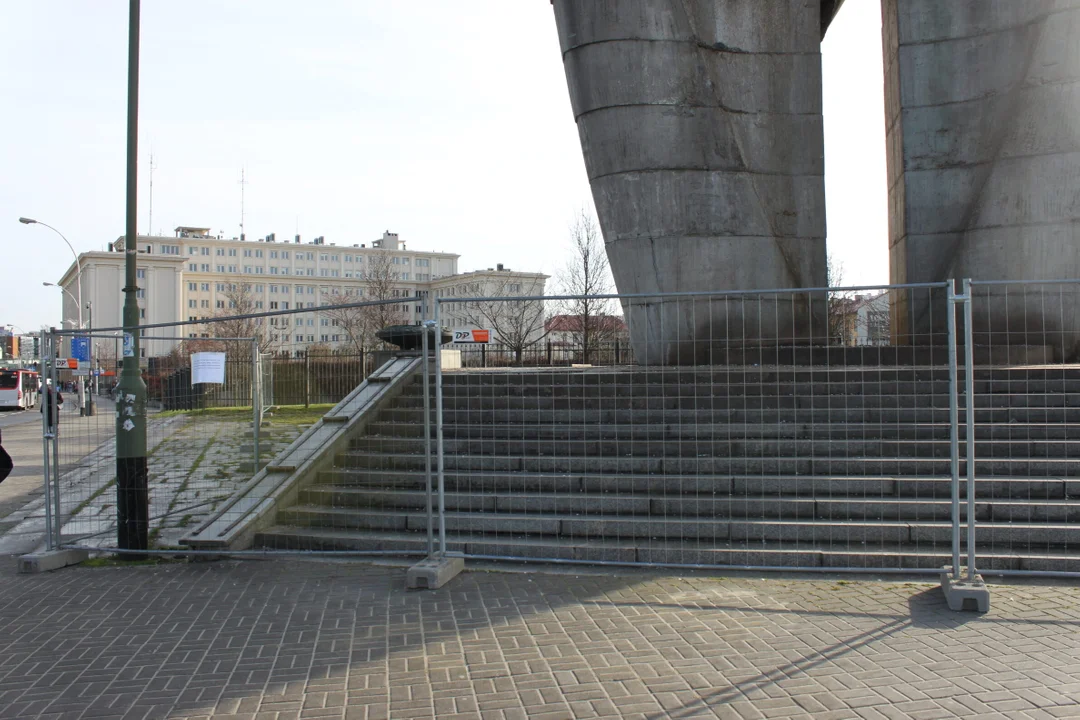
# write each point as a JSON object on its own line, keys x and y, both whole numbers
{"x": 192, "y": 275}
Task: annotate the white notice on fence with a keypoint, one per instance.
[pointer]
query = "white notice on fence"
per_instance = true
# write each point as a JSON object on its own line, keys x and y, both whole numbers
{"x": 207, "y": 367}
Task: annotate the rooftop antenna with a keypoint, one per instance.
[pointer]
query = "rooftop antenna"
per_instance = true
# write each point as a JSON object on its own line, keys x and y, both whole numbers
{"x": 150, "y": 222}
{"x": 242, "y": 183}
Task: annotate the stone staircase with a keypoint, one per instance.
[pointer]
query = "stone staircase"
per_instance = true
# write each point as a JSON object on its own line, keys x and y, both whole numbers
{"x": 778, "y": 467}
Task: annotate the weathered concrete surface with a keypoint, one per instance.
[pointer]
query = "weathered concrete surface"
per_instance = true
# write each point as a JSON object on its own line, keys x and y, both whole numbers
{"x": 982, "y": 105}
{"x": 700, "y": 122}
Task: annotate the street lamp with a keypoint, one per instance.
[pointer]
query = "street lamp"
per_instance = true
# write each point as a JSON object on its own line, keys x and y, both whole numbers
{"x": 78, "y": 289}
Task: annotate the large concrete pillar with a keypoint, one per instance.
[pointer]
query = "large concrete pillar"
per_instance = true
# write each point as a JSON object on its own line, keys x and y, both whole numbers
{"x": 983, "y": 125}
{"x": 700, "y": 122}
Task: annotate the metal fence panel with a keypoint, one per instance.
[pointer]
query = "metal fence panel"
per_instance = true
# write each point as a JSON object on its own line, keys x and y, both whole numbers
{"x": 797, "y": 429}
{"x": 1025, "y": 384}
{"x": 204, "y": 442}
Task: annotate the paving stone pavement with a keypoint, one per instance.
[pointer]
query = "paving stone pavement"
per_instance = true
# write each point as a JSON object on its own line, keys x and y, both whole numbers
{"x": 291, "y": 639}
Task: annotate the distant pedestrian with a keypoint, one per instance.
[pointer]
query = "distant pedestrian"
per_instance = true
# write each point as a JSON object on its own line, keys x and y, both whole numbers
{"x": 51, "y": 400}
{"x": 6, "y": 464}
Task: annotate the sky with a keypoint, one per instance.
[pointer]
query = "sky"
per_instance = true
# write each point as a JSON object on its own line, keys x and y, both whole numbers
{"x": 446, "y": 122}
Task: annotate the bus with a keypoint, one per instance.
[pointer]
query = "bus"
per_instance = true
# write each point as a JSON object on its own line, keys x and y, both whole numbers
{"x": 18, "y": 389}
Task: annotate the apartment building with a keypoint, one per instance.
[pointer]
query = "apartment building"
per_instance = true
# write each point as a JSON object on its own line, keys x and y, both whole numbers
{"x": 193, "y": 274}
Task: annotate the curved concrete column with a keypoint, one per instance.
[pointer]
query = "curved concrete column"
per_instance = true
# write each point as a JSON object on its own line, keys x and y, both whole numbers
{"x": 700, "y": 123}
{"x": 982, "y": 108}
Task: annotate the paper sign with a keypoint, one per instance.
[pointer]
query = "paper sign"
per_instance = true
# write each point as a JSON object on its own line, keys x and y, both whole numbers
{"x": 207, "y": 367}
{"x": 129, "y": 345}
{"x": 472, "y": 336}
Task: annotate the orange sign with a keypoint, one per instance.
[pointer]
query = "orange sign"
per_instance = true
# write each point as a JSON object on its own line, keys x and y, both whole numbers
{"x": 472, "y": 336}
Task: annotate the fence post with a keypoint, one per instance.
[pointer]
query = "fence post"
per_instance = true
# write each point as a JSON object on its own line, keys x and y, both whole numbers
{"x": 53, "y": 410}
{"x": 427, "y": 438}
{"x": 954, "y": 429}
{"x": 969, "y": 391}
{"x": 45, "y": 352}
{"x": 256, "y": 397}
{"x": 483, "y": 356}
{"x": 439, "y": 435}
{"x": 549, "y": 353}
{"x": 307, "y": 379}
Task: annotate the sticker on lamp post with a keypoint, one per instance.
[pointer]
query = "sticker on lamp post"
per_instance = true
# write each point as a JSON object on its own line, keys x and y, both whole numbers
{"x": 129, "y": 345}
{"x": 472, "y": 336}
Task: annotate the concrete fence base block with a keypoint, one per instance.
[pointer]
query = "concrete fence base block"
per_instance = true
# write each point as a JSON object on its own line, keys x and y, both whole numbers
{"x": 434, "y": 572}
{"x": 964, "y": 595}
{"x": 51, "y": 560}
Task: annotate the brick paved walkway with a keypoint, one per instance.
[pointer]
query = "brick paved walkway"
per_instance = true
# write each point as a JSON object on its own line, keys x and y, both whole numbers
{"x": 293, "y": 639}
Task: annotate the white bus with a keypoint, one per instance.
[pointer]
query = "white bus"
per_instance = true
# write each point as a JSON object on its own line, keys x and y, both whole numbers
{"x": 18, "y": 389}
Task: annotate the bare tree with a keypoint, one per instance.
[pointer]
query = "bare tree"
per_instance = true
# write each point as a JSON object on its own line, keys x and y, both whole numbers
{"x": 516, "y": 324}
{"x": 586, "y": 274}
{"x": 840, "y": 305}
{"x": 240, "y": 302}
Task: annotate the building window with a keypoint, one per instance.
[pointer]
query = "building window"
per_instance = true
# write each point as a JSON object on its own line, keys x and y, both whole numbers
{"x": 323, "y": 257}
{"x": 206, "y": 287}
{"x": 247, "y": 269}
{"x": 221, "y": 252}
{"x": 141, "y": 273}
{"x": 193, "y": 267}
{"x": 232, "y": 268}
{"x": 259, "y": 270}
{"x": 142, "y": 313}
{"x": 247, "y": 253}
{"x": 273, "y": 288}
{"x": 515, "y": 287}
{"x": 206, "y": 251}
{"x": 140, "y": 293}
{"x": 258, "y": 304}
{"x": 192, "y": 287}
{"x": 284, "y": 306}
{"x": 273, "y": 306}
{"x": 258, "y": 253}
{"x": 193, "y": 303}
{"x": 273, "y": 254}
{"x": 273, "y": 270}
{"x": 191, "y": 250}
{"x": 259, "y": 289}
{"x": 232, "y": 252}
{"x": 204, "y": 304}
{"x": 404, "y": 276}
{"x": 284, "y": 254}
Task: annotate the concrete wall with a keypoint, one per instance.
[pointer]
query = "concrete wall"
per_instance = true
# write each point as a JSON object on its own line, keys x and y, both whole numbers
{"x": 983, "y": 128}
{"x": 700, "y": 123}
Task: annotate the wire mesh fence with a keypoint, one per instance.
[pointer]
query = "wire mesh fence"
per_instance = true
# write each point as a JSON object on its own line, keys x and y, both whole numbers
{"x": 1026, "y": 385}
{"x": 809, "y": 429}
{"x": 205, "y": 441}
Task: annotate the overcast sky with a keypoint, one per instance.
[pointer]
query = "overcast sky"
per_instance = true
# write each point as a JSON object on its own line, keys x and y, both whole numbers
{"x": 446, "y": 122}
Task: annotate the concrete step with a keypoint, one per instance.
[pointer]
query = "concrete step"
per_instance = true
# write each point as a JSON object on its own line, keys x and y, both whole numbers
{"x": 690, "y": 505}
{"x": 738, "y": 431}
{"x": 682, "y": 416}
{"x": 704, "y": 402}
{"x": 652, "y": 526}
{"x": 658, "y": 551}
{"x": 722, "y": 447}
{"x": 820, "y": 384}
{"x": 701, "y": 504}
{"x": 715, "y": 387}
{"x": 826, "y": 465}
{"x": 854, "y": 487}
{"x": 734, "y": 375}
